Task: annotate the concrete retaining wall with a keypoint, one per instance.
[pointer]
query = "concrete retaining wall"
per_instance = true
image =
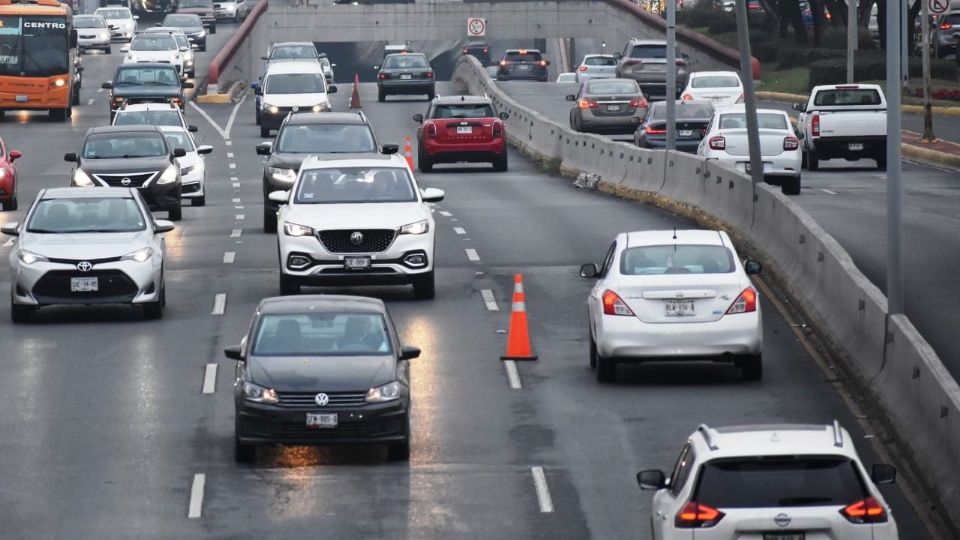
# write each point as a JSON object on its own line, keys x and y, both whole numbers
{"x": 896, "y": 365}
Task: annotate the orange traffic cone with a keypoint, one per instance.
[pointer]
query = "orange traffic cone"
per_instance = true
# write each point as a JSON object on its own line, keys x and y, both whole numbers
{"x": 355, "y": 98}
{"x": 407, "y": 151}
{"x": 518, "y": 338}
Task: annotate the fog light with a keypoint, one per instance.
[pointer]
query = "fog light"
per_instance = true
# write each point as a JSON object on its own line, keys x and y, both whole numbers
{"x": 298, "y": 262}
{"x": 416, "y": 260}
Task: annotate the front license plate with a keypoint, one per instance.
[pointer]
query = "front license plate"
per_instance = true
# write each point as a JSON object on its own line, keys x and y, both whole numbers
{"x": 680, "y": 308}
{"x": 21, "y": 98}
{"x": 856, "y": 147}
{"x": 686, "y": 133}
{"x": 321, "y": 421}
{"x": 405, "y": 77}
{"x": 613, "y": 108}
{"x": 784, "y": 536}
{"x": 464, "y": 130}
{"x": 356, "y": 263}
{"x": 84, "y": 284}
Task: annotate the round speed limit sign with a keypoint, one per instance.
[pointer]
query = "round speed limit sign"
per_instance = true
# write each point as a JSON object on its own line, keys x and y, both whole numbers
{"x": 476, "y": 27}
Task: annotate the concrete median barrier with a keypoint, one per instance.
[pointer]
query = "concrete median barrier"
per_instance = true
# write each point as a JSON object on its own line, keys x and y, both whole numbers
{"x": 886, "y": 354}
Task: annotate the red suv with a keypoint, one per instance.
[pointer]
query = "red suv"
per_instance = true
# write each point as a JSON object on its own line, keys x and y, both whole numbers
{"x": 461, "y": 128}
{"x": 8, "y": 177}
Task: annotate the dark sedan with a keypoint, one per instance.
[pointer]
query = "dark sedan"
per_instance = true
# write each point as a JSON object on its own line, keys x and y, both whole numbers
{"x": 406, "y": 73}
{"x": 203, "y": 8}
{"x": 692, "y": 118}
{"x": 322, "y": 369}
{"x": 191, "y": 25}
{"x": 607, "y": 106}
{"x": 145, "y": 83}
{"x": 478, "y": 49}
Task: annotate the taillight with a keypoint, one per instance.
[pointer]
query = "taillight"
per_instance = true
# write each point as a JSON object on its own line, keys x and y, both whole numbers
{"x": 587, "y": 104}
{"x": 867, "y": 510}
{"x": 946, "y": 26}
{"x": 655, "y": 131}
{"x": 686, "y": 97}
{"x": 815, "y": 125}
{"x": 427, "y": 74}
{"x": 486, "y": 49}
{"x": 503, "y": 63}
{"x": 717, "y": 143}
{"x": 637, "y": 103}
{"x": 613, "y": 305}
{"x": 697, "y": 516}
{"x": 681, "y": 62}
{"x": 432, "y": 130}
{"x": 543, "y": 63}
{"x": 497, "y": 130}
{"x": 745, "y": 303}
{"x": 790, "y": 143}
{"x": 583, "y": 68}
{"x": 632, "y": 62}
{"x": 740, "y": 99}
{"x": 466, "y": 51}
{"x": 383, "y": 76}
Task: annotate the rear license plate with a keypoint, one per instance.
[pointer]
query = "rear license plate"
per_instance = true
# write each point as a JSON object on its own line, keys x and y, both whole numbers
{"x": 356, "y": 263}
{"x": 524, "y": 67}
{"x": 766, "y": 165}
{"x": 679, "y": 308}
{"x": 21, "y": 98}
{"x": 405, "y": 77}
{"x": 464, "y": 130}
{"x": 686, "y": 133}
{"x": 84, "y": 284}
{"x": 613, "y": 108}
{"x": 718, "y": 99}
{"x": 784, "y": 536}
{"x": 856, "y": 147}
{"x": 321, "y": 421}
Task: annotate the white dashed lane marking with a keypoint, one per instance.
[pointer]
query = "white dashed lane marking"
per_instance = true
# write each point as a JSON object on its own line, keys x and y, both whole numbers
{"x": 233, "y": 165}
{"x": 236, "y": 233}
{"x": 210, "y": 379}
{"x": 229, "y": 155}
{"x": 489, "y": 300}
{"x": 241, "y": 217}
{"x": 228, "y": 257}
{"x": 445, "y": 214}
{"x": 472, "y": 254}
{"x": 828, "y": 192}
{"x": 219, "y": 304}
{"x": 196, "y": 496}
{"x": 543, "y": 490}
{"x": 459, "y": 230}
{"x": 513, "y": 375}
{"x": 91, "y": 101}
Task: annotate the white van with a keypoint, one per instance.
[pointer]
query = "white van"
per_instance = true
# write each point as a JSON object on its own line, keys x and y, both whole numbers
{"x": 291, "y": 86}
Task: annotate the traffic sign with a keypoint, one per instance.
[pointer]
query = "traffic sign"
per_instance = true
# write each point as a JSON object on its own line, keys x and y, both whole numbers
{"x": 476, "y": 27}
{"x": 938, "y": 7}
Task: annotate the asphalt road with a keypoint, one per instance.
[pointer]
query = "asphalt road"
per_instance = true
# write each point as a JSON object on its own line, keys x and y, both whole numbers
{"x": 849, "y": 200}
{"x": 106, "y": 431}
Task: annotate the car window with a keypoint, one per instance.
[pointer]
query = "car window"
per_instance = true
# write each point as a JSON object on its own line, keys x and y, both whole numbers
{"x": 764, "y": 121}
{"x": 114, "y": 13}
{"x": 716, "y": 81}
{"x": 153, "y": 42}
{"x": 289, "y": 52}
{"x": 326, "y": 139}
{"x": 153, "y": 118}
{"x": 953, "y": 19}
{"x": 608, "y": 260}
{"x": 681, "y": 469}
{"x": 179, "y": 139}
{"x": 182, "y": 20}
{"x": 89, "y": 21}
{"x": 684, "y": 110}
{"x": 355, "y": 185}
{"x": 862, "y": 96}
{"x": 124, "y": 145}
{"x": 676, "y": 259}
{"x": 649, "y": 51}
{"x": 401, "y": 61}
{"x": 294, "y": 83}
{"x": 86, "y": 214}
{"x": 522, "y": 56}
{"x": 612, "y": 87}
{"x": 162, "y": 76}
{"x": 779, "y": 482}
{"x": 482, "y": 110}
{"x": 600, "y": 61}
{"x": 322, "y": 334}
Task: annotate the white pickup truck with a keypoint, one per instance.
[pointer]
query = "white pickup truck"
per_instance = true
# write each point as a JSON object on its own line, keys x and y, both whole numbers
{"x": 846, "y": 121}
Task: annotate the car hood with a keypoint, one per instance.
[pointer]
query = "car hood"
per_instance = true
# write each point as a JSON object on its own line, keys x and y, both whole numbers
{"x": 289, "y": 160}
{"x": 121, "y": 23}
{"x": 296, "y": 100}
{"x": 84, "y": 246}
{"x": 356, "y": 216}
{"x": 326, "y": 373}
{"x": 127, "y": 165}
{"x": 189, "y": 160}
{"x": 146, "y": 91}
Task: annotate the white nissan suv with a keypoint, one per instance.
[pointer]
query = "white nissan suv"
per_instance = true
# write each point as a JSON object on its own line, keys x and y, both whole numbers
{"x": 775, "y": 482}
{"x": 356, "y": 222}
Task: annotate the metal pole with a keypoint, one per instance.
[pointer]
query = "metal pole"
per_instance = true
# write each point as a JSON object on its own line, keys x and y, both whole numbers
{"x": 928, "y": 135}
{"x": 904, "y": 46}
{"x": 852, "y": 41}
{"x": 749, "y": 96}
{"x": 895, "y": 37}
{"x": 671, "y": 90}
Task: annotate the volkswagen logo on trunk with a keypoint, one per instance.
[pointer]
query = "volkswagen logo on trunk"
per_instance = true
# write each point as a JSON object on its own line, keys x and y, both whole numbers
{"x": 125, "y": 181}
{"x": 322, "y": 400}
{"x": 84, "y": 266}
{"x": 356, "y": 238}
{"x": 782, "y": 520}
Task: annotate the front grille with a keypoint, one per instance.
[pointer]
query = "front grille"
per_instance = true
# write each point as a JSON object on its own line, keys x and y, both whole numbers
{"x": 191, "y": 188}
{"x": 391, "y": 427}
{"x": 305, "y": 400}
{"x": 116, "y": 180}
{"x": 91, "y": 261}
{"x": 374, "y": 240}
{"x": 111, "y": 283}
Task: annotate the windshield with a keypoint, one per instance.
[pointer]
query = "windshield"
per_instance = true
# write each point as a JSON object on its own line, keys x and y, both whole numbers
{"x": 764, "y": 121}
{"x": 179, "y": 139}
{"x": 196, "y": 4}
{"x": 355, "y": 185}
{"x": 481, "y": 110}
{"x": 124, "y": 145}
{"x": 294, "y": 83}
{"x": 649, "y": 51}
{"x": 151, "y": 76}
{"x": 322, "y": 334}
{"x": 684, "y": 110}
{"x": 326, "y": 139}
{"x": 290, "y": 52}
{"x": 599, "y": 61}
{"x": 676, "y": 259}
{"x": 716, "y": 81}
{"x": 182, "y": 20}
{"x": 401, "y": 61}
{"x": 33, "y": 46}
{"x": 154, "y": 42}
{"x": 153, "y": 118}
{"x": 182, "y": 42}
{"x": 86, "y": 214}
{"x": 612, "y": 87}
{"x": 89, "y": 21}
{"x": 115, "y": 13}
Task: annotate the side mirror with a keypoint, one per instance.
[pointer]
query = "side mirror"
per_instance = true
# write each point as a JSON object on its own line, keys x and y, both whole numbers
{"x": 15, "y": 155}
{"x": 651, "y": 479}
{"x": 12, "y": 229}
{"x": 618, "y": 55}
{"x": 432, "y": 195}
{"x": 589, "y": 271}
{"x": 799, "y": 107}
{"x": 752, "y": 267}
{"x": 264, "y": 57}
{"x": 570, "y": 97}
{"x": 409, "y": 353}
{"x": 418, "y": 118}
{"x": 281, "y": 197}
{"x": 107, "y": 85}
{"x": 388, "y": 149}
{"x": 179, "y": 152}
{"x": 264, "y": 148}
{"x": 124, "y": 49}
{"x": 204, "y": 149}
{"x": 880, "y": 473}
{"x": 332, "y": 89}
{"x": 188, "y": 84}
{"x": 546, "y": 62}
{"x": 184, "y": 49}
{"x": 192, "y": 128}
{"x": 163, "y": 226}
{"x": 158, "y": 24}
{"x": 111, "y": 27}
{"x": 70, "y": 157}
{"x": 504, "y": 115}
{"x": 257, "y": 90}
{"x": 322, "y": 55}
{"x": 80, "y": 69}
{"x": 685, "y": 56}
{"x": 233, "y": 353}
{"x": 333, "y": 65}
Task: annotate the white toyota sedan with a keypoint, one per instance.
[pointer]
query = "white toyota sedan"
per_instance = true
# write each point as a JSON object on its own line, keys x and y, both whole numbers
{"x": 356, "y": 222}
{"x": 721, "y": 88}
{"x": 155, "y": 48}
{"x": 674, "y": 295}
{"x": 726, "y": 142}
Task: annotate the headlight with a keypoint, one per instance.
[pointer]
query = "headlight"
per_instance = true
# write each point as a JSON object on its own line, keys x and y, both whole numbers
{"x": 292, "y": 229}
{"x": 201, "y": 33}
{"x": 381, "y": 394}
{"x": 319, "y": 108}
{"x": 420, "y": 227}
{"x": 169, "y": 175}
{"x": 29, "y": 258}
{"x": 188, "y": 62}
{"x": 286, "y": 176}
{"x": 259, "y": 394}
{"x": 272, "y": 109}
{"x": 141, "y": 255}
{"x": 105, "y": 35}
{"x": 187, "y": 170}
{"x": 80, "y": 179}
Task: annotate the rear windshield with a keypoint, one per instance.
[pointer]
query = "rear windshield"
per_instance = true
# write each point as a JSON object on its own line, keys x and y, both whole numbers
{"x": 716, "y": 81}
{"x": 764, "y": 120}
{"x": 517, "y": 56}
{"x": 115, "y": 13}
{"x": 322, "y": 334}
{"x": 676, "y": 259}
{"x": 155, "y": 118}
{"x": 860, "y": 96}
{"x": 649, "y": 51}
{"x": 136, "y": 76}
{"x": 481, "y": 110}
{"x": 779, "y": 482}
{"x": 684, "y": 111}
{"x": 953, "y": 19}
{"x": 599, "y": 61}
{"x": 612, "y": 87}
{"x": 326, "y": 139}
{"x": 294, "y": 83}
{"x": 289, "y": 52}
{"x": 154, "y": 42}
{"x": 89, "y": 21}
{"x": 124, "y": 145}
{"x": 406, "y": 61}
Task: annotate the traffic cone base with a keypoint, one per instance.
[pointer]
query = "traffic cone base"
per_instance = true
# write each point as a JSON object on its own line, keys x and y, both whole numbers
{"x": 518, "y": 337}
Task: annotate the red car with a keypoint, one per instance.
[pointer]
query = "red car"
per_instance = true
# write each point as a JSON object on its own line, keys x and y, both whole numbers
{"x": 8, "y": 176}
{"x": 461, "y": 128}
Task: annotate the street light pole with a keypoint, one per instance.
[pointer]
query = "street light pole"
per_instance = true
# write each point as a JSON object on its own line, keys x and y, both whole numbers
{"x": 894, "y": 166}
{"x": 749, "y": 95}
{"x": 928, "y": 135}
{"x": 671, "y": 90}
{"x": 852, "y": 39}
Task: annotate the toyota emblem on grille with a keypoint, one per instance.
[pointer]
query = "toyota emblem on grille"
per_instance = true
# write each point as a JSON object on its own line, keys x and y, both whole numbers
{"x": 356, "y": 238}
{"x": 84, "y": 266}
{"x": 322, "y": 399}
{"x": 125, "y": 181}
{"x": 782, "y": 520}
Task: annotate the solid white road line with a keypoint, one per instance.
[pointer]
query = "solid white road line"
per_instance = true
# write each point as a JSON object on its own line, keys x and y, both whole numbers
{"x": 489, "y": 300}
{"x": 827, "y": 191}
{"x": 206, "y": 116}
{"x": 219, "y": 304}
{"x": 241, "y": 217}
{"x": 459, "y": 230}
{"x": 472, "y": 254}
{"x": 196, "y": 494}
{"x": 210, "y": 379}
{"x": 543, "y": 491}
{"x": 236, "y": 233}
{"x": 228, "y": 257}
{"x": 514, "y": 377}
{"x": 233, "y": 115}
{"x": 445, "y": 214}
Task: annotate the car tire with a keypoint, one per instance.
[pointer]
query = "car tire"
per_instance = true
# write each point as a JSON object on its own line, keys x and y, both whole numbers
{"x": 269, "y": 220}
{"x": 13, "y": 204}
{"x": 813, "y": 162}
{"x": 606, "y": 369}
{"x": 381, "y": 96}
{"x": 20, "y": 313}
{"x": 59, "y": 115}
{"x": 593, "y": 352}
{"x": 154, "y": 310}
{"x": 424, "y": 163}
{"x": 199, "y": 201}
{"x": 751, "y": 367}
{"x": 790, "y": 186}
{"x": 108, "y": 50}
{"x": 175, "y": 214}
{"x": 500, "y": 162}
{"x": 881, "y": 162}
{"x": 400, "y": 451}
{"x": 213, "y": 29}
{"x": 202, "y": 48}
{"x": 289, "y": 285}
{"x": 264, "y": 132}
{"x": 425, "y": 287}
{"x": 243, "y": 453}
{"x": 432, "y": 94}
{"x": 256, "y": 117}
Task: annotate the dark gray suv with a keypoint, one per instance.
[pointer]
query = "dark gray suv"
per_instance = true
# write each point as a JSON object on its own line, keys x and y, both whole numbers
{"x": 645, "y": 61}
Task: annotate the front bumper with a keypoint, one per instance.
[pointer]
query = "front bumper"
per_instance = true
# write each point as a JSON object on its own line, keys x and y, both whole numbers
{"x": 630, "y": 339}
{"x": 192, "y": 185}
{"x": 94, "y": 43}
{"x": 120, "y": 282}
{"x": 397, "y": 86}
{"x": 122, "y": 33}
{"x": 258, "y": 423}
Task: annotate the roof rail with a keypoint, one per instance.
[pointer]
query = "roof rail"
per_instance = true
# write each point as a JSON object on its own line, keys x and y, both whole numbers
{"x": 708, "y": 435}
{"x": 837, "y": 434}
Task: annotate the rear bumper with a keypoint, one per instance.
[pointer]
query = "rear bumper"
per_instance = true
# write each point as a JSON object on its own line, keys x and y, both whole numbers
{"x": 630, "y": 339}
{"x": 829, "y": 147}
{"x": 607, "y": 124}
{"x": 522, "y": 75}
{"x": 407, "y": 87}
{"x": 466, "y": 151}
{"x": 683, "y": 145}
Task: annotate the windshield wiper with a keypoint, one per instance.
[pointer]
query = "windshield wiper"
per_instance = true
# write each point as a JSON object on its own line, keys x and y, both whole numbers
{"x": 44, "y": 231}
{"x": 129, "y": 83}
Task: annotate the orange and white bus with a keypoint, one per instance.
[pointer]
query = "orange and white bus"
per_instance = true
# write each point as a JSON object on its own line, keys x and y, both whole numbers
{"x": 37, "y": 68}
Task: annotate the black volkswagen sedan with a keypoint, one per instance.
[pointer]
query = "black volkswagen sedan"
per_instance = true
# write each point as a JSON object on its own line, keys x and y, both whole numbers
{"x": 692, "y": 119}
{"x": 406, "y": 74}
{"x": 322, "y": 369}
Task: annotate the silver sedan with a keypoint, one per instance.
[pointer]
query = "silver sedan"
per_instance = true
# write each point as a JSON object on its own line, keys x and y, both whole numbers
{"x": 92, "y": 33}
{"x": 607, "y": 106}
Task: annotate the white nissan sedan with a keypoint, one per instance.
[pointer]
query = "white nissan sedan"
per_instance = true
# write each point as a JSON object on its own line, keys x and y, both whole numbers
{"x": 721, "y": 88}
{"x": 674, "y": 295}
{"x": 726, "y": 142}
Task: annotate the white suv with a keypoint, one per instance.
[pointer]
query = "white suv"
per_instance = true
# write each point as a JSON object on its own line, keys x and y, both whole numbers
{"x": 356, "y": 222}
{"x": 775, "y": 482}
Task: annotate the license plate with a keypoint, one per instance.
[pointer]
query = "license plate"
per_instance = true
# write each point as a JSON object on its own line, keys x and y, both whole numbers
{"x": 766, "y": 165}
{"x": 84, "y": 284}
{"x": 680, "y": 308}
{"x": 406, "y": 77}
{"x": 856, "y": 147}
{"x": 784, "y": 536}
{"x": 686, "y": 132}
{"x": 719, "y": 100}
{"x": 21, "y": 98}
{"x": 356, "y": 263}
{"x": 321, "y": 421}
{"x": 613, "y": 108}
{"x": 524, "y": 68}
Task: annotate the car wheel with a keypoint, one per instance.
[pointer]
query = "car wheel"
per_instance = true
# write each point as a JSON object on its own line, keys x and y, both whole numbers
{"x": 751, "y": 367}
{"x": 242, "y": 453}
{"x": 593, "y": 352}
{"x": 58, "y": 115}
{"x": 12, "y": 205}
{"x": 154, "y": 310}
{"x": 424, "y": 163}
{"x": 199, "y": 201}
{"x": 264, "y": 132}
{"x": 269, "y": 220}
{"x": 108, "y": 50}
{"x": 176, "y": 213}
{"x": 381, "y": 96}
{"x": 813, "y": 162}
{"x": 606, "y": 369}
{"x": 256, "y": 117}
{"x": 882, "y": 158}
{"x": 500, "y": 162}
{"x": 75, "y": 97}
{"x": 400, "y": 451}
{"x": 790, "y": 186}
{"x": 424, "y": 288}
{"x": 432, "y": 94}
{"x": 288, "y": 285}
{"x": 20, "y": 313}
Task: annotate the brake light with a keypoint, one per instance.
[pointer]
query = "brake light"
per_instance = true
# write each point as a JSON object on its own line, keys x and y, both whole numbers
{"x": 867, "y": 510}
{"x": 697, "y": 516}
{"x": 946, "y": 26}
{"x": 815, "y": 125}
{"x": 522, "y": 51}
{"x": 466, "y": 51}
{"x": 613, "y": 305}
{"x": 681, "y": 62}
{"x": 543, "y": 63}
{"x": 427, "y": 74}
{"x": 432, "y": 130}
{"x": 686, "y": 97}
{"x": 587, "y": 104}
{"x": 583, "y": 68}
{"x": 503, "y": 63}
{"x": 655, "y": 131}
{"x": 383, "y": 76}
{"x": 745, "y": 303}
{"x": 740, "y": 99}
{"x": 790, "y": 143}
{"x": 717, "y": 143}
{"x": 637, "y": 103}
{"x": 497, "y": 130}
{"x": 632, "y": 62}
{"x": 486, "y": 49}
